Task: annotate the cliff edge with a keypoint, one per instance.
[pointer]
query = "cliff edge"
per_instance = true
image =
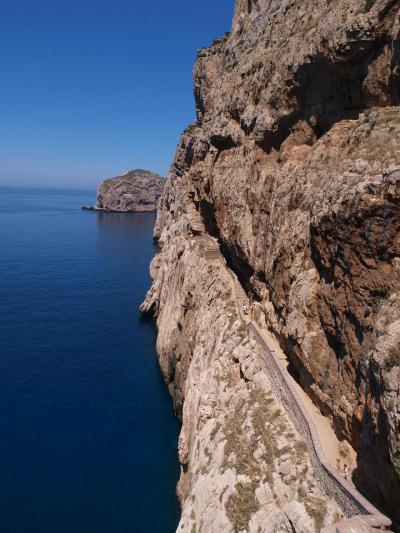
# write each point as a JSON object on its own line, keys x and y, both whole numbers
{"x": 293, "y": 170}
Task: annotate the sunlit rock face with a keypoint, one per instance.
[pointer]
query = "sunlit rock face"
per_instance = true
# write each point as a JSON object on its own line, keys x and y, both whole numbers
{"x": 294, "y": 166}
{"x": 135, "y": 191}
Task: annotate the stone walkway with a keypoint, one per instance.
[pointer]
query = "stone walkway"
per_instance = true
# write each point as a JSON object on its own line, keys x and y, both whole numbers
{"x": 329, "y": 441}
{"x": 321, "y": 441}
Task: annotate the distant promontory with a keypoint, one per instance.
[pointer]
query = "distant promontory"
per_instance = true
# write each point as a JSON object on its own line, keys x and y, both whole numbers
{"x": 136, "y": 191}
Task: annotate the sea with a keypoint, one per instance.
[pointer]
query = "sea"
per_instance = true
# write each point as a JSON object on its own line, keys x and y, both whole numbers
{"x": 88, "y": 436}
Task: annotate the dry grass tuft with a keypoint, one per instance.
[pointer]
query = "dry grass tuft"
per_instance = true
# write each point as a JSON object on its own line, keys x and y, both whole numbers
{"x": 316, "y": 508}
{"x": 241, "y": 505}
{"x": 393, "y": 357}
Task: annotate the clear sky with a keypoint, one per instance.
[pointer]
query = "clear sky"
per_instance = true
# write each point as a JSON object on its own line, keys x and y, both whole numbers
{"x": 93, "y": 88}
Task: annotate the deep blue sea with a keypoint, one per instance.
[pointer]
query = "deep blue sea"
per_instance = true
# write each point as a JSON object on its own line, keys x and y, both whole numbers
{"x": 87, "y": 432}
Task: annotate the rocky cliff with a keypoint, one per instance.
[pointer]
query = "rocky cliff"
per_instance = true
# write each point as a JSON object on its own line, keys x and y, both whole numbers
{"x": 293, "y": 166}
{"x": 135, "y": 191}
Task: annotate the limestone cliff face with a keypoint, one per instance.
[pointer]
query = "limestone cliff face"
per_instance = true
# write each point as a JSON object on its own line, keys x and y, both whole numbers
{"x": 244, "y": 467}
{"x": 135, "y": 191}
{"x": 294, "y": 166}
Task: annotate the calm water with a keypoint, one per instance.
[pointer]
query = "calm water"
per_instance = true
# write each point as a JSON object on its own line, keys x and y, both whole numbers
{"x": 87, "y": 432}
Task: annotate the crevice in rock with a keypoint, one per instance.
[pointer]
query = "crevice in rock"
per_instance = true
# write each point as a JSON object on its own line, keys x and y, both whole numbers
{"x": 242, "y": 376}
{"x": 233, "y": 255}
{"x": 237, "y": 262}
{"x": 207, "y": 213}
{"x": 222, "y": 142}
{"x": 273, "y": 140}
{"x": 394, "y": 80}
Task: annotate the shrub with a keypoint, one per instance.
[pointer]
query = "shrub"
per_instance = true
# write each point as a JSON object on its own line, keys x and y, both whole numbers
{"x": 301, "y": 493}
{"x": 392, "y": 358}
{"x": 368, "y": 5}
{"x": 239, "y": 450}
{"x": 241, "y": 505}
{"x": 316, "y": 508}
{"x": 301, "y": 450}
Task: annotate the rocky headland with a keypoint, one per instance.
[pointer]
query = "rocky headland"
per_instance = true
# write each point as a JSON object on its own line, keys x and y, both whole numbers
{"x": 135, "y": 191}
{"x": 284, "y": 200}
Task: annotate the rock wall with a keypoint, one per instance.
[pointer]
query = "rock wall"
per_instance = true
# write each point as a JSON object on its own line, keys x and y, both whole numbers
{"x": 294, "y": 166}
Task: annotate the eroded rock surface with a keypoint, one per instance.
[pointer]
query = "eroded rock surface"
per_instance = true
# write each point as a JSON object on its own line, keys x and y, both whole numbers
{"x": 136, "y": 191}
{"x": 244, "y": 467}
{"x": 294, "y": 166}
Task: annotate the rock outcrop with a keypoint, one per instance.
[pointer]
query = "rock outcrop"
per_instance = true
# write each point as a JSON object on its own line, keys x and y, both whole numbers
{"x": 293, "y": 166}
{"x": 135, "y": 191}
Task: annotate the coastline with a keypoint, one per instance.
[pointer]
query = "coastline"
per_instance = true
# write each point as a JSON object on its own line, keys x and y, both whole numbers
{"x": 105, "y": 210}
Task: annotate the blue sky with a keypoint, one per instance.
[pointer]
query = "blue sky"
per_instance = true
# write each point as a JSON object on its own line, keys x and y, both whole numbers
{"x": 93, "y": 88}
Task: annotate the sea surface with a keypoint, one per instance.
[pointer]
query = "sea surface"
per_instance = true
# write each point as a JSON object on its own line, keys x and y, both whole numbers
{"x": 87, "y": 432}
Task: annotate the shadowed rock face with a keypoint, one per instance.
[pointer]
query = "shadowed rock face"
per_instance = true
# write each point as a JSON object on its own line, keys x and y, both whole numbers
{"x": 294, "y": 165}
{"x": 138, "y": 190}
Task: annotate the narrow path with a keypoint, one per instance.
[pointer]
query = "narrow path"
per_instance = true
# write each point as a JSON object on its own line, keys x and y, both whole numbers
{"x": 329, "y": 441}
{"x": 314, "y": 428}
